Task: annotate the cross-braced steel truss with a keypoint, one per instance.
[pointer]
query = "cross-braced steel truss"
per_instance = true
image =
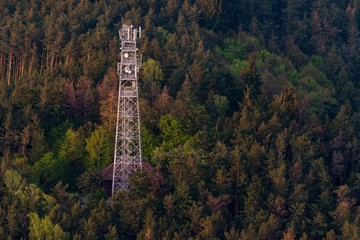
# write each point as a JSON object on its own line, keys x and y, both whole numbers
{"x": 127, "y": 154}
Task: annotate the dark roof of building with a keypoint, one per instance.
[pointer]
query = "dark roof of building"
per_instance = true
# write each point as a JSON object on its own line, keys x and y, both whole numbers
{"x": 107, "y": 172}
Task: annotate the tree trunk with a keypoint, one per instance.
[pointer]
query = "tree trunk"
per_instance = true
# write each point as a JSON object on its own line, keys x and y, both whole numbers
{"x": 47, "y": 58}
{"x": 2, "y": 66}
{"x": 9, "y": 68}
{"x": 31, "y": 65}
{"x": 237, "y": 209}
{"x": 57, "y": 60}
{"x": 67, "y": 60}
{"x": 16, "y": 66}
{"x": 42, "y": 61}
{"x": 52, "y": 61}
{"x": 23, "y": 62}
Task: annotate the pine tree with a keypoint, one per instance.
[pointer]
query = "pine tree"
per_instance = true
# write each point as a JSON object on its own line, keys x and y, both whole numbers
{"x": 148, "y": 232}
{"x": 112, "y": 234}
{"x": 45, "y": 229}
{"x": 85, "y": 99}
{"x": 250, "y": 78}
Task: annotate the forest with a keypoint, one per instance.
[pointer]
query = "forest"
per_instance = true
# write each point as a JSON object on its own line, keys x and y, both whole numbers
{"x": 250, "y": 116}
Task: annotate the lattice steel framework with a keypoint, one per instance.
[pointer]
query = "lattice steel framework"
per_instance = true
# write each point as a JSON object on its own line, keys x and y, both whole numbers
{"x": 127, "y": 153}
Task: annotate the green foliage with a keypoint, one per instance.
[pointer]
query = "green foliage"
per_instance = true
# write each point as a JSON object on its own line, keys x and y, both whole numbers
{"x": 151, "y": 71}
{"x": 99, "y": 147}
{"x": 148, "y": 142}
{"x": 237, "y": 66}
{"x": 71, "y": 154}
{"x": 45, "y": 229}
{"x": 13, "y": 181}
{"x": 249, "y": 114}
{"x": 49, "y": 170}
{"x": 151, "y": 77}
{"x": 221, "y": 104}
{"x": 172, "y": 133}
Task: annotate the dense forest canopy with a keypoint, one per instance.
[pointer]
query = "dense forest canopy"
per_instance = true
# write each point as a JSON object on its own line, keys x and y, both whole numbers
{"x": 250, "y": 115}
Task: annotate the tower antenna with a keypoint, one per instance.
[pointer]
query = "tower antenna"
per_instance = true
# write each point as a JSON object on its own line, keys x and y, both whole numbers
{"x": 127, "y": 152}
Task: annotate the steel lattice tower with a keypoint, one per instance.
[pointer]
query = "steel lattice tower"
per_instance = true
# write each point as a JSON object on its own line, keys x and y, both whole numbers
{"x": 127, "y": 153}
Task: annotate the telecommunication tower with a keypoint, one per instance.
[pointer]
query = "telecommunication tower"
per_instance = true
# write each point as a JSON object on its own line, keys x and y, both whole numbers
{"x": 127, "y": 153}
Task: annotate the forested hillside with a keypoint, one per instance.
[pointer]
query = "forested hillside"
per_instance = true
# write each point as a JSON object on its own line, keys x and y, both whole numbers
{"x": 250, "y": 115}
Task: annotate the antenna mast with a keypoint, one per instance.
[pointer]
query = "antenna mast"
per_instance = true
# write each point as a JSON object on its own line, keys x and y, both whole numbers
{"x": 127, "y": 153}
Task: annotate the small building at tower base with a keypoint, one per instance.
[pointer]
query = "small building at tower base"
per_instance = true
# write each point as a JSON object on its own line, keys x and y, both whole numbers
{"x": 107, "y": 176}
